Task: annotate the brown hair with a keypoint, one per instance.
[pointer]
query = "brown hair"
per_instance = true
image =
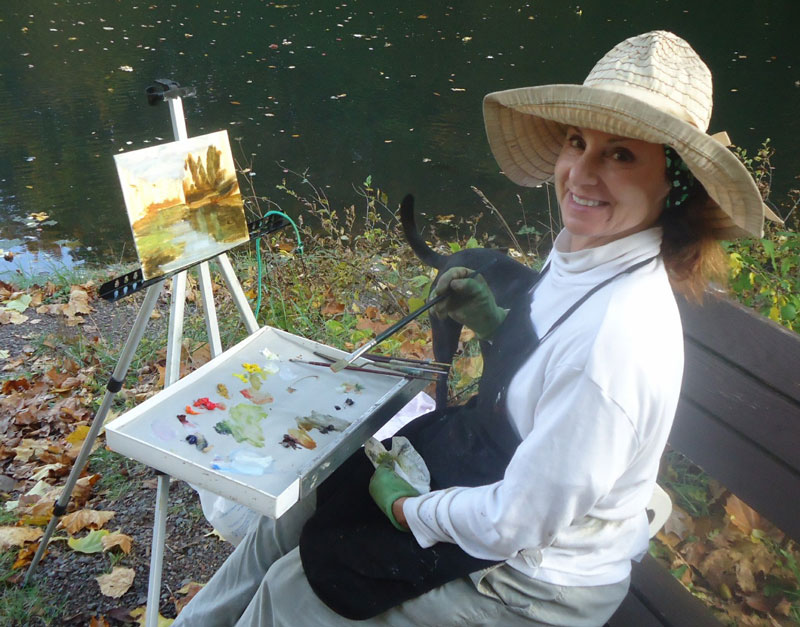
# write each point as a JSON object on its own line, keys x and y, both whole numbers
{"x": 692, "y": 253}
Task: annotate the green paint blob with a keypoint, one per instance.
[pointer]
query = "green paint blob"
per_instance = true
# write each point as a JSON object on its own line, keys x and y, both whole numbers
{"x": 244, "y": 424}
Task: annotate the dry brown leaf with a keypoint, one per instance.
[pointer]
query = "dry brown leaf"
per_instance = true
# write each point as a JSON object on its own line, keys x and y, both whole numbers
{"x": 718, "y": 568}
{"x": 117, "y": 582}
{"x": 99, "y": 622}
{"x": 93, "y": 519}
{"x": 17, "y": 536}
{"x": 52, "y": 309}
{"x": 117, "y": 539}
{"x": 679, "y": 523}
{"x": 757, "y": 602}
{"x": 332, "y": 308}
{"x": 189, "y": 590}
{"x": 743, "y": 517}
{"x": 744, "y": 577}
{"x": 783, "y": 607}
{"x": 9, "y": 316}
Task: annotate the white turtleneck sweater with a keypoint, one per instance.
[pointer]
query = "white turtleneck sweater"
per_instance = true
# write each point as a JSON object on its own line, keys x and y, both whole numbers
{"x": 593, "y": 406}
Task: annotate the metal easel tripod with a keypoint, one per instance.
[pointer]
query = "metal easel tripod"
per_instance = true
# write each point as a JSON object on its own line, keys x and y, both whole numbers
{"x": 172, "y": 93}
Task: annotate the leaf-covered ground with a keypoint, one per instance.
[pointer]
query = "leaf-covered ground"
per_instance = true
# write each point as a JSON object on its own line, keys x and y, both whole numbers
{"x": 96, "y": 567}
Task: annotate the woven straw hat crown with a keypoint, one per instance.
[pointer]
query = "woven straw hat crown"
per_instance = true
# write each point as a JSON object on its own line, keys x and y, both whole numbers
{"x": 652, "y": 87}
{"x": 661, "y": 69}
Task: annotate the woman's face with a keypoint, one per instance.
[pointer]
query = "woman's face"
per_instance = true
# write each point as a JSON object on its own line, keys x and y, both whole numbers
{"x": 608, "y": 187}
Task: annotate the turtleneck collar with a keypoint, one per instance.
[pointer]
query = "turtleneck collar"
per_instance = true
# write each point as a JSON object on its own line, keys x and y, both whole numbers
{"x": 603, "y": 260}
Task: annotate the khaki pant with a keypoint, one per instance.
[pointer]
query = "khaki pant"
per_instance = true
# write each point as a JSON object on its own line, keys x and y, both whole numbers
{"x": 262, "y": 584}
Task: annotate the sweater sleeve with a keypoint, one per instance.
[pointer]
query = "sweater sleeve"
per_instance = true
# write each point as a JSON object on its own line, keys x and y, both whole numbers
{"x": 581, "y": 443}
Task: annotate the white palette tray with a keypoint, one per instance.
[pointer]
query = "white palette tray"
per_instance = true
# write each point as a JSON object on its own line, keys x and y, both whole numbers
{"x": 218, "y": 448}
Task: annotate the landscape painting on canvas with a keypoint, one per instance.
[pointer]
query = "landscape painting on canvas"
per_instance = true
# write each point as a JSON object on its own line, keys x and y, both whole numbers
{"x": 183, "y": 202}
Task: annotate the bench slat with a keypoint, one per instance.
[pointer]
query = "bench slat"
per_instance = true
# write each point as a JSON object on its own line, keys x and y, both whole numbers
{"x": 760, "y": 414}
{"x": 747, "y": 338}
{"x": 761, "y": 481}
{"x": 665, "y": 598}
{"x": 632, "y": 613}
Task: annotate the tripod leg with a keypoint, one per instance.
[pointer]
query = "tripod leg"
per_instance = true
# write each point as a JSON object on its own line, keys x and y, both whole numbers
{"x": 157, "y": 550}
{"x": 210, "y": 310}
{"x": 236, "y": 290}
{"x": 114, "y": 385}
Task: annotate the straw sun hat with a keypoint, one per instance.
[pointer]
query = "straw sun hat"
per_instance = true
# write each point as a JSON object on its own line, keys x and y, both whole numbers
{"x": 652, "y": 87}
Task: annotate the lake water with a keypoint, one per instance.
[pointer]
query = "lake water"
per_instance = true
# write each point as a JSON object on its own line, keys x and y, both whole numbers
{"x": 340, "y": 91}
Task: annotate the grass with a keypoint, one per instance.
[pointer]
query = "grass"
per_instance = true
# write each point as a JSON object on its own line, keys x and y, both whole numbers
{"x": 117, "y": 472}
{"x": 23, "y": 606}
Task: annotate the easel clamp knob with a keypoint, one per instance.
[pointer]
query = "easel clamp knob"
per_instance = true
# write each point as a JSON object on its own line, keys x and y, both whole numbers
{"x": 166, "y": 88}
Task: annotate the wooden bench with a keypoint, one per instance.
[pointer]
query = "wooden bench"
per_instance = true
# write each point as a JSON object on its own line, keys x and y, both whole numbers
{"x": 739, "y": 420}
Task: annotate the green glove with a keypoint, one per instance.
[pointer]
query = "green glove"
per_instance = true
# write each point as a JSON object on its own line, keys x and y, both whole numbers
{"x": 385, "y": 487}
{"x": 470, "y": 302}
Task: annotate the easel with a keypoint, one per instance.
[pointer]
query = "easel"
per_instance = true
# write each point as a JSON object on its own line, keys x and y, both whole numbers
{"x": 172, "y": 93}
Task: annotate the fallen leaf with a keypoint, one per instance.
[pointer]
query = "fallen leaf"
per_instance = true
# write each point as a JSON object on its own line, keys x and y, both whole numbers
{"x": 679, "y": 523}
{"x": 98, "y": 622}
{"x": 91, "y": 543}
{"x": 743, "y": 517}
{"x": 9, "y": 316}
{"x": 77, "y": 437}
{"x": 19, "y": 304}
{"x": 25, "y": 556}
{"x": 17, "y": 536}
{"x": 117, "y": 539}
{"x": 84, "y": 518}
{"x": 140, "y": 616}
{"x": 189, "y": 590}
{"x": 117, "y": 582}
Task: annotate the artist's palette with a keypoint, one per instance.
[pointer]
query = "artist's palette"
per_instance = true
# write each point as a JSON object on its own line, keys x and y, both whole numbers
{"x": 258, "y": 426}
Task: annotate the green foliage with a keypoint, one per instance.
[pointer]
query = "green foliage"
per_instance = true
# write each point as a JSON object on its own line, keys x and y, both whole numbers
{"x": 765, "y": 275}
{"x": 765, "y": 272}
{"x": 689, "y": 484}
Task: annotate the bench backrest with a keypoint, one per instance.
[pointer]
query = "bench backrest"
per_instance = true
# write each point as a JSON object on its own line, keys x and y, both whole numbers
{"x": 739, "y": 413}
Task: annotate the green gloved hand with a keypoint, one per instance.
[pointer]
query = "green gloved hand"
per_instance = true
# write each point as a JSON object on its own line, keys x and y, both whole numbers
{"x": 470, "y": 302}
{"x": 385, "y": 487}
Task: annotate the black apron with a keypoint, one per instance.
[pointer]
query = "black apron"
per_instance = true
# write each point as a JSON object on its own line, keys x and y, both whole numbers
{"x": 355, "y": 560}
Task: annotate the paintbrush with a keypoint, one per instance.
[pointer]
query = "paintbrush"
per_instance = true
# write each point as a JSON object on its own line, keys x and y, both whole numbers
{"x": 393, "y": 373}
{"x": 346, "y": 361}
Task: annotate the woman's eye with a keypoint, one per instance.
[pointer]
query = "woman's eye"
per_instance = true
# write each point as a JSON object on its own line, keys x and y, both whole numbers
{"x": 622, "y": 154}
{"x": 576, "y": 141}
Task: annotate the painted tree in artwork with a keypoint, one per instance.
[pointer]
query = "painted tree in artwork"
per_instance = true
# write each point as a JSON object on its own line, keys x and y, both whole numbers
{"x": 208, "y": 179}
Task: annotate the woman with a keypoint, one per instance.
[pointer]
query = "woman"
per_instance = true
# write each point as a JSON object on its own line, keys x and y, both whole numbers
{"x": 539, "y": 486}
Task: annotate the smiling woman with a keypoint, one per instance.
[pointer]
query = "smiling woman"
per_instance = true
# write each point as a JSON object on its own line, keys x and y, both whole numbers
{"x": 608, "y": 187}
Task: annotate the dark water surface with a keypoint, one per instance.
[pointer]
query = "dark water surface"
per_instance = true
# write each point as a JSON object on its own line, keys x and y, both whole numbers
{"x": 340, "y": 90}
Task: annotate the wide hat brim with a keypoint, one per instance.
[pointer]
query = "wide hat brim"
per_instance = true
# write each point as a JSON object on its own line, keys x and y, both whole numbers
{"x": 526, "y": 128}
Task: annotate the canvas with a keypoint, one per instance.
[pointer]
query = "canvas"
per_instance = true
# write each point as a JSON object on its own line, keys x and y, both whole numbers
{"x": 183, "y": 202}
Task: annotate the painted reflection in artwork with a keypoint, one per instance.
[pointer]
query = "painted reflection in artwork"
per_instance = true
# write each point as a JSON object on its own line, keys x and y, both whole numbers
{"x": 183, "y": 202}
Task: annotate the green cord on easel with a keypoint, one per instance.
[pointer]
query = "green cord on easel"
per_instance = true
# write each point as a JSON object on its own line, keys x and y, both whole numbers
{"x": 258, "y": 251}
